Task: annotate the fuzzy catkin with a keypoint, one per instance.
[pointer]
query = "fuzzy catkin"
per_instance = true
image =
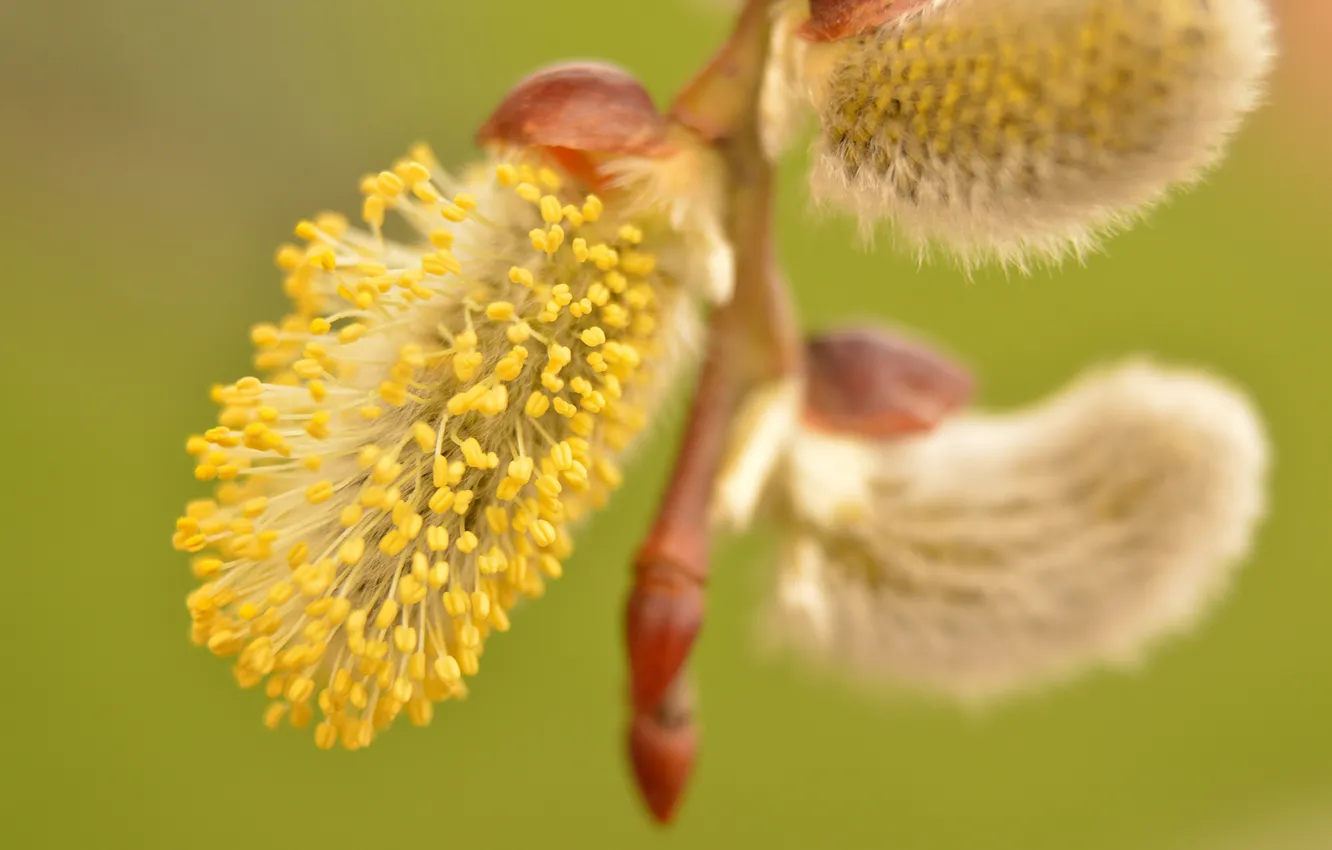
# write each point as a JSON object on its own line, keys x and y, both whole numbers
{"x": 1004, "y": 552}
{"x": 1020, "y": 131}
{"x": 433, "y": 419}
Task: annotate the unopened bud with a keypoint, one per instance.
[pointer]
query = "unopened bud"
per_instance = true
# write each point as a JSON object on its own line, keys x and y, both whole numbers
{"x": 663, "y": 746}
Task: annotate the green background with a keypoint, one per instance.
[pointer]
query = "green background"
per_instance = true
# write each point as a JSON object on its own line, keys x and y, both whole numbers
{"x": 152, "y": 155}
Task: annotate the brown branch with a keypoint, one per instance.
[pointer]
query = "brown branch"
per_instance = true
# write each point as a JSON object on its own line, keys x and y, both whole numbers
{"x": 751, "y": 338}
{"x": 721, "y": 101}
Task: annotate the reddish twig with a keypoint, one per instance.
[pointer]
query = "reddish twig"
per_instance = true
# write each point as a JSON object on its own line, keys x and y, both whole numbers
{"x": 751, "y": 338}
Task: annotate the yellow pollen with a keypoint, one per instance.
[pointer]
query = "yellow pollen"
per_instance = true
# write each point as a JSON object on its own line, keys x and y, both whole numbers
{"x": 522, "y": 277}
{"x": 551, "y": 210}
{"x": 389, "y": 183}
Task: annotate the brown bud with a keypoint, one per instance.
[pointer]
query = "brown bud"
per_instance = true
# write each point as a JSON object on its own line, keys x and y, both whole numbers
{"x": 834, "y": 20}
{"x": 590, "y": 107}
{"x": 663, "y": 745}
{"x": 870, "y": 382}
{"x": 662, "y": 621}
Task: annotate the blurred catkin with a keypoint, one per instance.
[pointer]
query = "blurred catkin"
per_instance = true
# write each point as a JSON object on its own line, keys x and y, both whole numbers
{"x": 1019, "y": 131}
{"x": 1005, "y": 551}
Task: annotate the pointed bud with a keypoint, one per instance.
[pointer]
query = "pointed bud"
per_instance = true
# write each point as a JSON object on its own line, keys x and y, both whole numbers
{"x": 663, "y": 746}
{"x": 1012, "y": 130}
{"x": 872, "y": 383}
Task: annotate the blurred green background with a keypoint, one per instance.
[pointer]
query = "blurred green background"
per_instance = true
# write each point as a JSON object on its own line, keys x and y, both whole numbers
{"x": 152, "y": 155}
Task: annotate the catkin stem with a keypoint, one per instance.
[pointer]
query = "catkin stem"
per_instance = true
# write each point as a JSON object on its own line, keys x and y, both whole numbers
{"x": 751, "y": 339}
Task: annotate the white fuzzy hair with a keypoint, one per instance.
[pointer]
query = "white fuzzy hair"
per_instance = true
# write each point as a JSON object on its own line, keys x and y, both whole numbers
{"x": 1002, "y": 552}
{"x": 687, "y": 189}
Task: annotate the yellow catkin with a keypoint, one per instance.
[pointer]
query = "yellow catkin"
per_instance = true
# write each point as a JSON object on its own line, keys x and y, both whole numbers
{"x": 376, "y": 517}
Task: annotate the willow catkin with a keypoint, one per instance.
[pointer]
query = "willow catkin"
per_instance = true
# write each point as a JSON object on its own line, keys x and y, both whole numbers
{"x": 426, "y": 428}
{"x": 1002, "y": 552}
{"x": 1021, "y": 130}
